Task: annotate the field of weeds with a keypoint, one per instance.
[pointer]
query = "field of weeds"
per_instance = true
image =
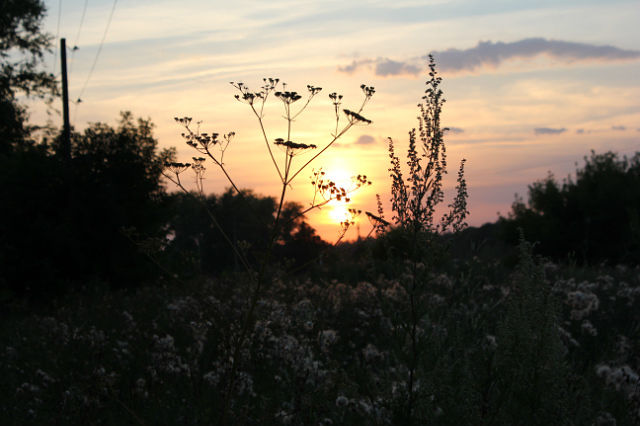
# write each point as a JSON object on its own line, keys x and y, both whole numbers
{"x": 546, "y": 344}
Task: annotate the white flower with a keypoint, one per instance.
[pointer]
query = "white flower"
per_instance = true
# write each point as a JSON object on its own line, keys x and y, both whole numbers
{"x": 342, "y": 401}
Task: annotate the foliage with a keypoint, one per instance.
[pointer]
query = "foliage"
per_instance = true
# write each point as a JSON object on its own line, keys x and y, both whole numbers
{"x": 415, "y": 250}
{"x": 593, "y": 218}
{"x": 22, "y": 46}
{"x": 247, "y": 218}
{"x": 415, "y": 202}
{"x": 532, "y": 378}
{"x": 63, "y": 222}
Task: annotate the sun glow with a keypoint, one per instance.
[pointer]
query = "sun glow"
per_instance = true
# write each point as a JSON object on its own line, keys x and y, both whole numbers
{"x": 339, "y": 210}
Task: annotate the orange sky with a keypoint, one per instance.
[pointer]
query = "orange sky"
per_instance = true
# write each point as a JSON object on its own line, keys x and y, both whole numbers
{"x": 531, "y": 87}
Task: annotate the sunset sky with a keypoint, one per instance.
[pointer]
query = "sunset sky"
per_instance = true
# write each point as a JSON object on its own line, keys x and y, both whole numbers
{"x": 531, "y": 87}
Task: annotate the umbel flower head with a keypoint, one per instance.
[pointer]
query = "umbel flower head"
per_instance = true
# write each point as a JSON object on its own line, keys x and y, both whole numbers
{"x": 293, "y": 148}
{"x": 355, "y": 117}
{"x": 176, "y": 168}
{"x": 288, "y": 97}
{"x": 375, "y": 220}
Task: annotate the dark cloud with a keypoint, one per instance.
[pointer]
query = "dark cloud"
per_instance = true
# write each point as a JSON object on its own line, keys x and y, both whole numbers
{"x": 365, "y": 140}
{"x": 353, "y": 66}
{"x": 490, "y": 54}
{"x": 487, "y": 53}
{"x": 618, "y": 128}
{"x": 383, "y": 67}
{"x": 386, "y": 67}
{"x": 580, "y": 131}
{"x": 548, "y": 131}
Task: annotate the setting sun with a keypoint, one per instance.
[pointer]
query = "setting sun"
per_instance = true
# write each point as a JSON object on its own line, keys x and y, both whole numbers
{"x": 339, "y": 211}
{"x": 343, "y": 178}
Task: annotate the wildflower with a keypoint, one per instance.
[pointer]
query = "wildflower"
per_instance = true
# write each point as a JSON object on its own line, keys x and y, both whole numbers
{"x": 588, "y": 328}
{"x": 288, "y": 97}
{"x": 212, "y": 378}
{"x": 377, "y": 220}
{"x": 140, "y": 388}
{"x": 342, "y": 401}
{"x": 605, "y": 419}
{"x": 327, "y": 338}
{"x": 293, "y": 148}
{"x": 355, "y": 117}
{"x": 583, "y": 303}
{"x": 491, "y": 341}
{"x": 176, "y": 168}
{"x": 371, "y": 353}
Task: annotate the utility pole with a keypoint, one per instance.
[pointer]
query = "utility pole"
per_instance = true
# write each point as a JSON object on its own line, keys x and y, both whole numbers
{"x": 66, "y": 127}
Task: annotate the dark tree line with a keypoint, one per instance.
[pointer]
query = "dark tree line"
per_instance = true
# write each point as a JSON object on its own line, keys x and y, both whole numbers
{"x": 62, "y": 221}
{"x": 67, "y": 223}
{"x": 592, "y": 218}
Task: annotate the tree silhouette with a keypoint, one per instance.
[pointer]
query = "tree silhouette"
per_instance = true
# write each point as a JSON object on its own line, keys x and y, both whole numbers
{"x": 593, "y": 218}
{"x": 22, "y": 46}
{"x": 63, "y": 223}
{"x": 247, "y": 219}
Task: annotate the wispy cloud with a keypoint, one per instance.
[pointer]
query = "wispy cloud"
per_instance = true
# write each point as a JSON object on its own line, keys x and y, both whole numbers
{"x": 618, "y": 128}
{"x": 548, "y": 131}
{"x": 383, "y": 67}
{"x": 386, "y": 67}
{"x": 362, "y": 140}
{"x": 487, "y": 54}
{"x": 455, "y": 130}
{"x": 365, "y": 140}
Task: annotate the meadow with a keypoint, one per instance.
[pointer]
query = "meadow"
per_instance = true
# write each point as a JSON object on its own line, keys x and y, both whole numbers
{"x": 545, "y": 344}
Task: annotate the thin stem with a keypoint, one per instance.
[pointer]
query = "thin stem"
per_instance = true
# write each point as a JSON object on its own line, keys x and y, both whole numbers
{"x": 219, "y": 164}
{"x": 266, "y": 141}
{"x": 205, "y": 148}
{"x": 335, "y": 138}
{"x": 244, "y": 262}
{"x": 303, "y": 107}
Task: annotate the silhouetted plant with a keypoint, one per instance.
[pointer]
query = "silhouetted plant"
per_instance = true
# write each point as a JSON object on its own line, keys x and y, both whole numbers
{"x": 532, "y": 378}
{"x": 415, "y": 202}
{"x": 414, "y": 239}
{"x": 287, "y": 172}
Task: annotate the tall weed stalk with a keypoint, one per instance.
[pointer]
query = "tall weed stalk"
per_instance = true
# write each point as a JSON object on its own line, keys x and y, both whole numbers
{"x": 414, "y": 200}
{"x": 213, "y": 147}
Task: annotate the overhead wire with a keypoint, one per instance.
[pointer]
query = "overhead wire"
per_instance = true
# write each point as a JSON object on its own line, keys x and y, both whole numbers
{"x": 75, "y": 43}
{"x": 95, "y": 60}
{"x": 55, "y": 54}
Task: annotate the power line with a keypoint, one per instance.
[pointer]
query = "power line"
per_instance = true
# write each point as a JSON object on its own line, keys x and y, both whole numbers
{"x": 95, "y": 61}
{"x": 75, "y": 43}
{"x": 55, "y": 55}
